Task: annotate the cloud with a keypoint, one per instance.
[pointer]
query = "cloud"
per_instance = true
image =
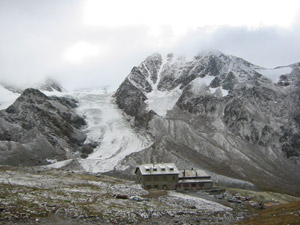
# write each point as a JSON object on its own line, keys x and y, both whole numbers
{"x": 42, "y": 39}
{"x": 265, "y": 46}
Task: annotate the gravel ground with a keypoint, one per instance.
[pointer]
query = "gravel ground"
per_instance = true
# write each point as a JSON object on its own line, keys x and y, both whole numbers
{"x": 30, "y": 196}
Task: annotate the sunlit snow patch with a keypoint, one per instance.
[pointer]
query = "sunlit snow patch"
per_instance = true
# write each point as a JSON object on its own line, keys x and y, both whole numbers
{"x": 274, "y": 74}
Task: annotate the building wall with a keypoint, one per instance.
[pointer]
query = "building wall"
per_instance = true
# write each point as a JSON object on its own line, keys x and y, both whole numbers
{"x": 157, "y": 181}
{"x": 193, "y": 186}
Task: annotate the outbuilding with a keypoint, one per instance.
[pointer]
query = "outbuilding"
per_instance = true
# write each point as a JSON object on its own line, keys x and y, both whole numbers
{"x": 193, "y": 180}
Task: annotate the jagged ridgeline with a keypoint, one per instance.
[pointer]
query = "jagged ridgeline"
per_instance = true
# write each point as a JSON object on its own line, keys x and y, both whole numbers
{"x": 220, "y": 113}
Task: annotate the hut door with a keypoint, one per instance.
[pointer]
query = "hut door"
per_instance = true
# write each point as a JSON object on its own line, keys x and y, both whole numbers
{"x": 194, "y": 187}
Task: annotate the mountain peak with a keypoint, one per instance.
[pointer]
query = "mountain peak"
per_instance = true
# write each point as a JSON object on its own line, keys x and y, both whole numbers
{"x": 49, "y": 85}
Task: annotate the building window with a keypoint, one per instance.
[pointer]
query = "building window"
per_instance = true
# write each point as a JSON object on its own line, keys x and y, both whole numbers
{"x": 185, "y": 185}
{"x": 156, "y": 186}
{"x": 201, "y": 184}
{"x": 193, "y": 185}
{"x": 148, "y": 187}
{"x": 173, "y": 177}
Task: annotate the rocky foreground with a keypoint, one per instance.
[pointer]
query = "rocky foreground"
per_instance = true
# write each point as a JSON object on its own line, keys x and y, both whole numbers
{"x": 43, "y": 196}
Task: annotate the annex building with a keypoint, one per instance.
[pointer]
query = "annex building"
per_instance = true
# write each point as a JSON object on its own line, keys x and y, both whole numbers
{"x": 193, "y": 180}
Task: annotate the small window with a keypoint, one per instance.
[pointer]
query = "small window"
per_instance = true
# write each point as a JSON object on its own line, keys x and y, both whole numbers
{"x": 147, "y": 169}
{"x": 171, "y": 168}
{"x": 154, "y": 169}
{"x": 163, "y": 169}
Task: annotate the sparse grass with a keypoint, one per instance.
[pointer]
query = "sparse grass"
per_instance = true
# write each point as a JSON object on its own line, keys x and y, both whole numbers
{"x": 288, "y": 213}
{"x": 4, "y": 169}
{"x": 263, "y": 196}
{"x": 155, "y": 194}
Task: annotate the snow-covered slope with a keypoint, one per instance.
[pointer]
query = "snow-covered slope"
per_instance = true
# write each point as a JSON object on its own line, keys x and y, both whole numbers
{"x": 109, "y": 127}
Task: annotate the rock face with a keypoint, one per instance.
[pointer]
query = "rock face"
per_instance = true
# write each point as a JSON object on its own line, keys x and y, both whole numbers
{"x": 37, "y": 128}
{"x": 229, "y": 117}
{"x": 49, "y": 85}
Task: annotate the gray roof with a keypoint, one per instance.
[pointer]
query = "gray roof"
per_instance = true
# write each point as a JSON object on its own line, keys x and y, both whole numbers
{"x": 158, "y": 169}
{"x": 193, "y": 174}
{"x": 194, "y": 181}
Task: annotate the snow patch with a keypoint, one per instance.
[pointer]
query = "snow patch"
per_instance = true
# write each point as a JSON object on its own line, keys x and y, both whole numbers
{"x": 56, "y": 165}
{"x": 162, "y": 101}
{"x": 274, "y": 74}
{"x": 200, "y": 83}
{"x": 223, "y": 91}
{"x": 199, "y": 203}
{"x": 7, "y": 97}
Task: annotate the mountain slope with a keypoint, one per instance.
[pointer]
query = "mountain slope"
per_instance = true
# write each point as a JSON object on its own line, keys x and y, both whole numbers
{"x": 224, "y": 115}
{"x": 37, "y": 128}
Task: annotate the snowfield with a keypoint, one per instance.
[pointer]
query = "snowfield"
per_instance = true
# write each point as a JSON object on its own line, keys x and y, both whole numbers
{"x": 162, "y": 101}
{"x": 107, "y": 125}
{"x": 274, "y": 74}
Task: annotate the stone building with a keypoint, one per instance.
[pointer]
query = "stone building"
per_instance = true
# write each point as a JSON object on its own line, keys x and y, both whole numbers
{"x": 193, "y": 180}
{"x": 157, "y": 176}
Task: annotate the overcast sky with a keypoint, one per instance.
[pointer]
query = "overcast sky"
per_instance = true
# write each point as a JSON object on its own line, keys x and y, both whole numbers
{"x": 84, "y": 43}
